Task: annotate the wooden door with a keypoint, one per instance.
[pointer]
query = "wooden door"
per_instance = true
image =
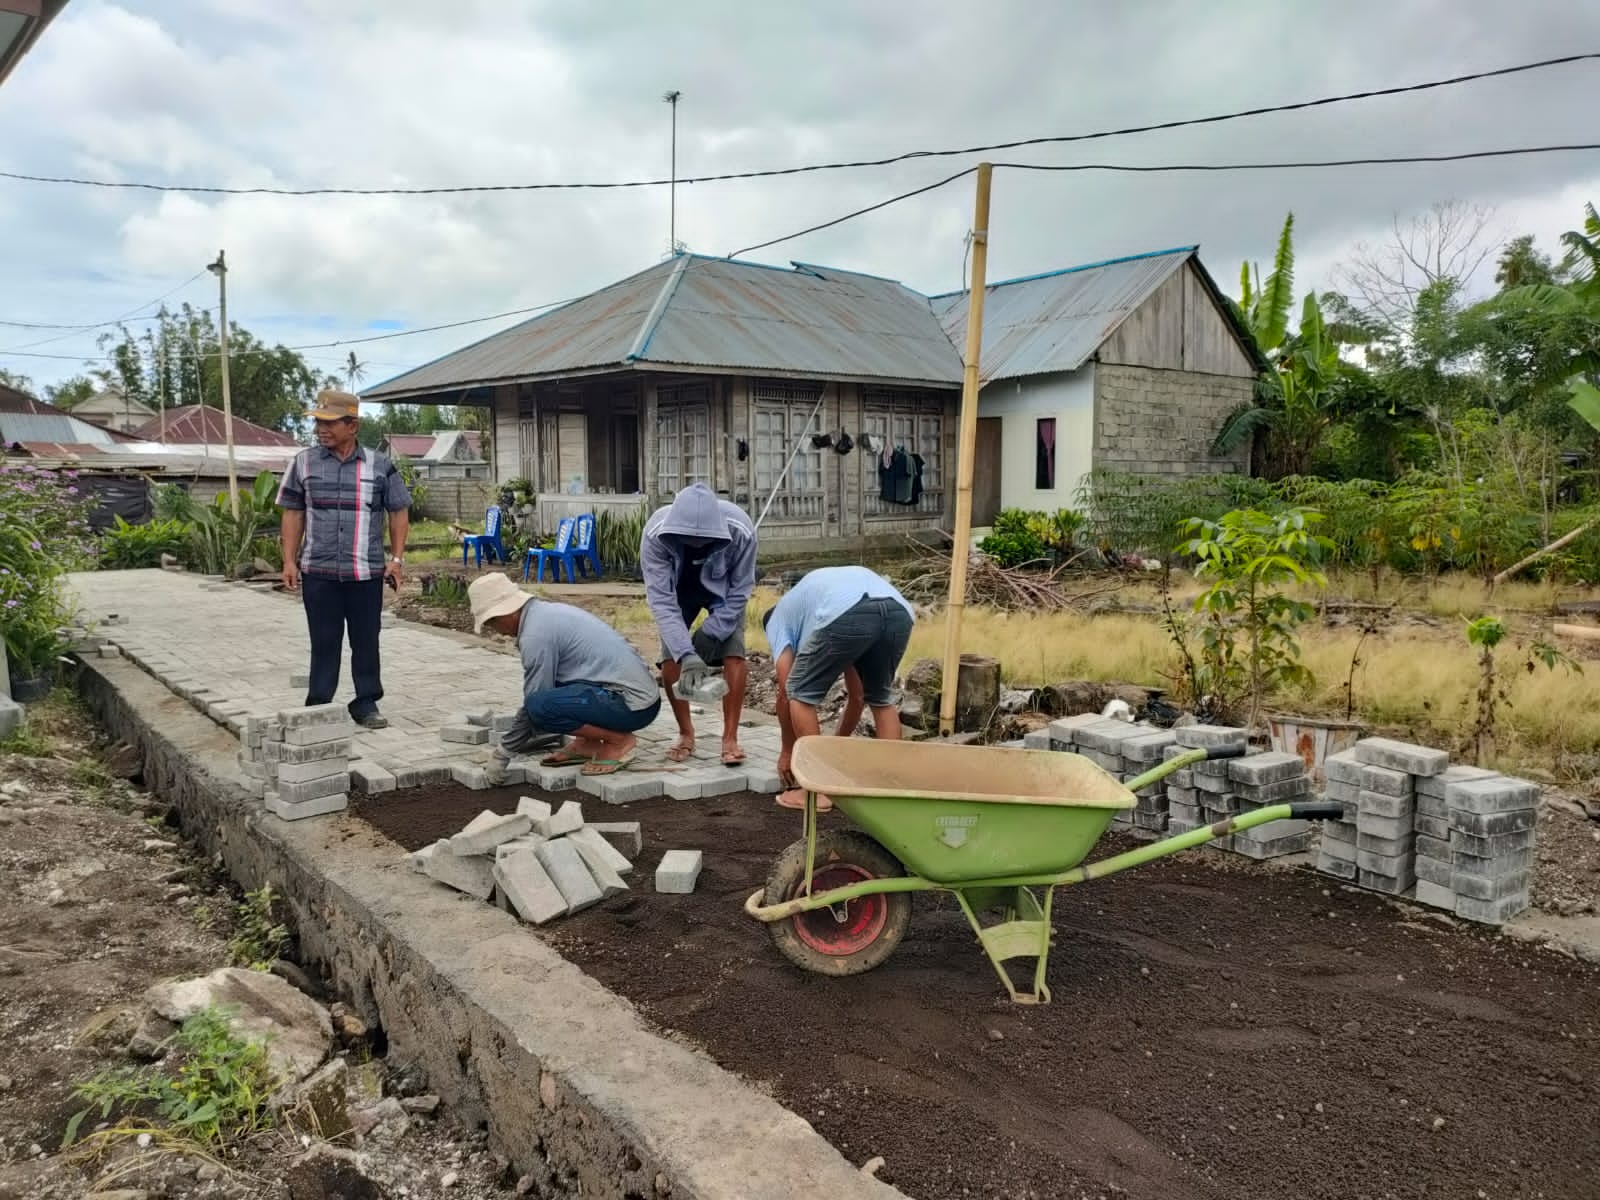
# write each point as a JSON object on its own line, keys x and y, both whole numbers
{"x": 986, "y": 473}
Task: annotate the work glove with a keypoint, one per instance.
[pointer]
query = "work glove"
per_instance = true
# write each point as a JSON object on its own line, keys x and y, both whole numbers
{"x": 692, "y": 672}
{"x": 704, "y": 645}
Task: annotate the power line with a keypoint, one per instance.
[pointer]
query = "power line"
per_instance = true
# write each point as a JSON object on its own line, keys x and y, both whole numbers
{"x": 1396, "y": 160}
{"x": 127, "y": 316}
{"x": 1049, "y": 140}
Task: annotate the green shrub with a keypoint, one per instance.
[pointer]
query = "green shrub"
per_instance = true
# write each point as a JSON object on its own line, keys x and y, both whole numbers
{"x": 1013, "y": 539}
{"x": 44, "y": 533}
{"x": 617, "y": 538}
{"x": 131, "y": 547}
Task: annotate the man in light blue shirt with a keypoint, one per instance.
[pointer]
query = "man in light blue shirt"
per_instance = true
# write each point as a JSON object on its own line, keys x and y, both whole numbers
{"x": 836, "y": 620}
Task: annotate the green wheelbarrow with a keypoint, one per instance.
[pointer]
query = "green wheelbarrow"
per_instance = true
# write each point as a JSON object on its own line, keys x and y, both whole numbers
{"x": 991, "y": 826}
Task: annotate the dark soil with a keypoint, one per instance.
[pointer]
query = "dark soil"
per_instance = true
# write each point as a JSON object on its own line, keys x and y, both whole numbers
{"x": 1247, "y": 1033}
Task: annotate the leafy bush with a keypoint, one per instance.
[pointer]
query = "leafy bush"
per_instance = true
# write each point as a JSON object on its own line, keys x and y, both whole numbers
{"x": 1013, "y": 539}
{"x": 173, "y": 503}
{"x": 222, "y": 544}
{"x": 132, "y": 547}
{"x": 44, "y": 533}
{"x": 414, "y": 482}
{"x": 450, "y": 592}
{"x": 618, "y": 536}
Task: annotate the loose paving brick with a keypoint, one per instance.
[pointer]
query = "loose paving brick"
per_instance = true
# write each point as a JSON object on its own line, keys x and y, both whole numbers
{"x": 528, "y": 887}
{"x": 534, "y": 809}
{"x": 1343, "y": 767}
{"x": 1435, "y": 785}
{"x": 1384, "y": 782}
{"x": 474, "y": 876}
{"x": 601, "y": 848}
{"x": 466, "y": 735}
{"x": 322, "y": 769}
{"x": 314, "y": 789}
{"x": 570, "y": 874}
{"x": 565, "y": 819}
{"x": 626, "y": 836}
{"x": 678, "y": 871}
{"x": 490, "y": 834}
{"x": 320, "y": 806}
{"x": 1205, "y": 737}
{"x": 596, "y": 855}
{"x": 1495, "y": 795}
{"x": 1401, "y": 756}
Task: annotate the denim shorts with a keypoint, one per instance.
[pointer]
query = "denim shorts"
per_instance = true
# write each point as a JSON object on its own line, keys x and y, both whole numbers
{"x": 565, "y": 708}
{"x": 871, "y": 636}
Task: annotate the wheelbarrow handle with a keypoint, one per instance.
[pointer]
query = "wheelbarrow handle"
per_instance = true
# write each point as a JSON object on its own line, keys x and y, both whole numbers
{"x": 1234, "y": 750}
{"x": 1317, "y": 810}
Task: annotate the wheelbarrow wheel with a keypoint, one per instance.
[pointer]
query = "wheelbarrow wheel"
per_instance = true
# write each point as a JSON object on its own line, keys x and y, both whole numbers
{"x": 831, "y": 941}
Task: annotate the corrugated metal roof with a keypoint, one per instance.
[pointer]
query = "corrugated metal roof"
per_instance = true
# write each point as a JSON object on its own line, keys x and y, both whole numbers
{"x": 200, "y": 425}
{"x": 1056, "y": 322}
{"x": 714, "y": 314}
{"x": 50, "y": 426}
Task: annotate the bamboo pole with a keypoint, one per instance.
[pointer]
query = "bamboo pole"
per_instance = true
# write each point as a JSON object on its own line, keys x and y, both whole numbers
{"x": 965, "y": 455}
{"x": 1540, "y": 553}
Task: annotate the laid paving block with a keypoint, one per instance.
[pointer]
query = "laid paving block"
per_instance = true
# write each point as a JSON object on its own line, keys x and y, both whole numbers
{"x": 564, "y": 820}
{"x": 765, "y": 780}
{"x": 1271, "y": 767}
{"x": 556, "y": 779}
{"x": 474, "y": 776}
{"x": 525, "y": 883}
{"x": 473, "y": 875}
{"x": 626, "y": 836}
{"x": 1434, "y": 870}
{"x": 1497, "y": 795}
{"x": 314, "y": 789}
{"x": 1401, "y": 756}
{"x": 1389, "y": 829}
{"x": 1494, "y": 824}
{"x": 1343, "y": 767}
{"x": 534, "y": 809}
{"x": 1492, "y": 912}
{"x": 622, "y": 788}
{"x": 490, "y": 834}
{"x": 1204, "y": 737}
{"x": 289, "y": 772}
{"x": 297, "y": 810}
{"x": 1384, "y": 782}
{"x": 678, "y": 871}
{"x": 1435, "y": 895}
{"x": 1435, "y": 785}
{"x": 567, "y": 870}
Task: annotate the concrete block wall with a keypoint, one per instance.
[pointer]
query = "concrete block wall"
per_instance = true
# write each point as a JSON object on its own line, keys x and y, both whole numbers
{"x": 1162, "y": 422}
{"x": 1458, "y": 838}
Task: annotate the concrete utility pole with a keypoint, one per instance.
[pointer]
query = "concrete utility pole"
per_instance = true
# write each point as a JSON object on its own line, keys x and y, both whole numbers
{"x": 967, "y": 452}
{"x": 220, "y": 270}
{"x": 672, "y": 98}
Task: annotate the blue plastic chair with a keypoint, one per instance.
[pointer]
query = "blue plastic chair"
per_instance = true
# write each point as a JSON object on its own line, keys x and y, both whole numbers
{"x": 561, "y": 553}
{"x": 585, "y": 550}
{"x": 488, "y": 540}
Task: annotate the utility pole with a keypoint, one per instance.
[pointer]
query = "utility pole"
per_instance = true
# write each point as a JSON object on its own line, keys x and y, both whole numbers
{"x": 967, "y": 449}
{"x": 672, "y": 234}
{"x": 220, "y": 270}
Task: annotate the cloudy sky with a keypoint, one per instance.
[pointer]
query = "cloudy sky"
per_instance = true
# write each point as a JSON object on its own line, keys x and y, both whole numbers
{"x": 415, "y": 93}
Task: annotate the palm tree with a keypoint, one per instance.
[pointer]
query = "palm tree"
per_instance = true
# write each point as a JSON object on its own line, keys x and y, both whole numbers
{"x": 354, "y": 370}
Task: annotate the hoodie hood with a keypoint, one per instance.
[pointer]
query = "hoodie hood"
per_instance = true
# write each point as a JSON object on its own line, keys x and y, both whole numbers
{"x": 696, "y": 513}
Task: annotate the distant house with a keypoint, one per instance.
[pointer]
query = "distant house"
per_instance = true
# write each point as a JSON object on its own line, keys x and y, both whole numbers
{"x": 202, "y": 425}
{"x": 453, "y": 454}
{"x": 753, "y": 377}
{"x": 113, "y": 409}
{"x": 1130, "y": 365}
{"x": 27, "y": 425}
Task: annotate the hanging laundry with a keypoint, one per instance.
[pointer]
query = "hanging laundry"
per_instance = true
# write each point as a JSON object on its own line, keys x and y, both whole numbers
{"x": 886, "y": 477}
{"x": 901, "y": 471}
{"x": 916, "y": 478}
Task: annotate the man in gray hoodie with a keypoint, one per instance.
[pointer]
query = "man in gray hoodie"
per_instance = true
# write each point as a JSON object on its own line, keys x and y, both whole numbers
{"x": 698, "y": 555}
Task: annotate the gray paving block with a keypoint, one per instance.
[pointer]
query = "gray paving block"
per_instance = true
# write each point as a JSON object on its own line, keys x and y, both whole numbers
{"x": 626, "y": 836}
{"x": 1151, "y": 822}
{"x": 287, "y": 809}
{"x": 763, "y": 780}
{"x": 314, "y": 789}
{"x": 1343, "y": 767}
{"x": 289, "y": 772}
{"x": 1037, "y": 739}
{"x": 1284, "y": 791}
{"x": 1386, "y": 884}
{"x": 600, "y": 848}
{"x": 600, "y": 858}
{"x": 467, "y": 735}
{"x": 681, "y": 787}
{"x": 1177, "y": 825}
{"x": 473, "y": 776}
{"x": 1336, "y": 846}
{"x": 1274, "y": 830}
{"x": 1394, "y": 865}
{"x": 534, "y": 809}
{"x": 1434, "y": 870}
{"x": 1204, "y": 737}
{"x": 319, "y": 714}
{"x": 1434, "y": 827}
{"x": 1496, "y": 846}
{"x": 527, "y": 885}
{"x": 1435, "y": 785}
{"x": 1106, "y": 736}
{"x": 1064, "y": 730}
{"x": 528, "y": 841}
{"x": 1343, "y": 832}
{"x": 300, "y": 679}
{"x": 1435, "y": 895}
{"x": 1491, "y": 912}
{"x": 1508, "y": 863}
{"x": 1497, "y": 795}
{"x": 318, "y": 735}
{"x": 1433, "y": 806}
{"x": 1183, "y": 795}
{"x": 556, "y": 779}
{"x": 678, "y": 871}
{"x": 1277, "y": 847}
{"x": 1213, "y": 785}
{"x": 567, "y": 870}
{"x": 1146, "y": 749}
{"x": 624, "y": 788}
{"x": 1334, "y": 790}
{"x": 564, "y": 820}
{"x": 1433, "y": 847}
{"x": 1339, "y": 868}
{"x": 489, "y": 834}
{"x": 1378, "y": 804}
{"x": 1271, "y": 767}
{"x": 1189, "y": 814}
{"x": 1389, "y": 847}
{"x": 1106, "y": 761}
{"x": 484, "y": 820}
{"x": 1384, "y": 782}
{"x": 1214, "y": 768}
{"x": 419, "y": 859}
{"x": 1388, "y": 829}
{"x": 1490, "y": 887}
{"x": 1401, "y": 756}
{"x": 474, "y": 875}
{"x": 1494, "y": 824}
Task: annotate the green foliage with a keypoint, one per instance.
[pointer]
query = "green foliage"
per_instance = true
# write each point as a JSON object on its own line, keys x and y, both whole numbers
{"x": 259, "y": 937}
{"x": 26, "y": 742}
{"x": 222, "y": 544}
{"x": 1144, "y": 514}
{"x": 132, "y": 547}
{"x": 617, "y": 537}
{"x": 172, "y": 503}
{"x": 1014, "y": 539}
{"x": 44, "y": 534}
{"x": 407, "y": 418}
{"x": 414, "y": 482}
{"x": 1246, "y": 618}
{"x": 449, "y": 592}
{"x": 211, "y": 1088}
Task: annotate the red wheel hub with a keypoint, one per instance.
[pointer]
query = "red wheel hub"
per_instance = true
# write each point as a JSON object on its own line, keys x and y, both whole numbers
{"x": 845, "y": 929}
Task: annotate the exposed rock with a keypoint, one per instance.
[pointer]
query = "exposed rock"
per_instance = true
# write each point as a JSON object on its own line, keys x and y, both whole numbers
{"x": 293, "y": 973}
{"x": 1017, "y": 700}
{"x": 347, "y": 1027}
{"x": 425, "y": 1105}
{"x": 385, "y": 1122}
{"x": 149, "y": 1041}
{"x": 321, "y": 1104}
{"x": 331, "y": 1173}
{"x": 296, "y": 1029}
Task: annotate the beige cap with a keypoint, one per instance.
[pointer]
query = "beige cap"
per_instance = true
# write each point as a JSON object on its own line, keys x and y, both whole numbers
{"x": 494, "y": 595}
{"x": 333, "y": 405}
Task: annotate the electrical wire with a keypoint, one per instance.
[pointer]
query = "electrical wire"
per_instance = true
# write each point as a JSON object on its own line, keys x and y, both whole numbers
{"x": 127, "y": 316}
{"x": 1312, "y": 164}
{"x": 1048, "y": 140}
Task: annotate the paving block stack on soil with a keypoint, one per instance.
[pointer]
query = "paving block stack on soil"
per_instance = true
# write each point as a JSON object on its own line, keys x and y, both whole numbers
{"x": 542, "y": 861}
{"x": 1457, "y": 838}
{"x": 299, "y": 760}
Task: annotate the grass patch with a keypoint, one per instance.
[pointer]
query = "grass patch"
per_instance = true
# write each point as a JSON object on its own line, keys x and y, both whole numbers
{"x": 259, "y": 937}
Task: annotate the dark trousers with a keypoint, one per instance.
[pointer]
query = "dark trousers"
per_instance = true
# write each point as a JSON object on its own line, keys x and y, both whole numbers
{"x": 332, "y": 607}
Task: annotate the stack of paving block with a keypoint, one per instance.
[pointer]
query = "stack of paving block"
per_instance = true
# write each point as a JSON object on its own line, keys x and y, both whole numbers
{"x": 1262, "y": 781}
{"x": 1456, "y": 838}
{"x": 1186, "y": 803}
{"x": 538, "y": 862}
{"x": 1101, "y": 740}
{"x": 299, "y": 760}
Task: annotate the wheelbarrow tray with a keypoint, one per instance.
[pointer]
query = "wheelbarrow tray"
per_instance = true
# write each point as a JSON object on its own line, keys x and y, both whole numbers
{"x": 952, "y": 814}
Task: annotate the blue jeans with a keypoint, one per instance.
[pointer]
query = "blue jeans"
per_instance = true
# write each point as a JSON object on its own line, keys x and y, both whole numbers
{"x": 565, "y": 708}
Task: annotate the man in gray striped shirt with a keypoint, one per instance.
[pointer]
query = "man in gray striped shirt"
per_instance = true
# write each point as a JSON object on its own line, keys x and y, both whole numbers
{"x": 336, "y": 498}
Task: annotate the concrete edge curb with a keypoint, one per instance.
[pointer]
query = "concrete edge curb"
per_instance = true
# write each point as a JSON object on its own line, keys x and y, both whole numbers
{"x": 564, "y": 1075}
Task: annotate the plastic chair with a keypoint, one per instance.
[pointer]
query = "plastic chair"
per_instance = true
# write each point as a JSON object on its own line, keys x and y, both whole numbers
{"x": 585, "y": 549}
{"x": 488, "y": 540}
{"x": 561, "y": 553}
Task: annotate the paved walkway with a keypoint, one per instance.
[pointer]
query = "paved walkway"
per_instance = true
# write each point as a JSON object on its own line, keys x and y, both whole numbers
{"x": 233, "y": 651}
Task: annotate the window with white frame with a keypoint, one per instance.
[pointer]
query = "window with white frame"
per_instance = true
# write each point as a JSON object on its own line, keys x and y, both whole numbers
{"x": 683, "y": 438}
{"x": 910, "y": 420}
{"x": 781, "y": 413}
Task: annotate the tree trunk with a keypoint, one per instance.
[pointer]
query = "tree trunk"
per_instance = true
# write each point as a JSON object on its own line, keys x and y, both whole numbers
{"x": 1561, "y": 541}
